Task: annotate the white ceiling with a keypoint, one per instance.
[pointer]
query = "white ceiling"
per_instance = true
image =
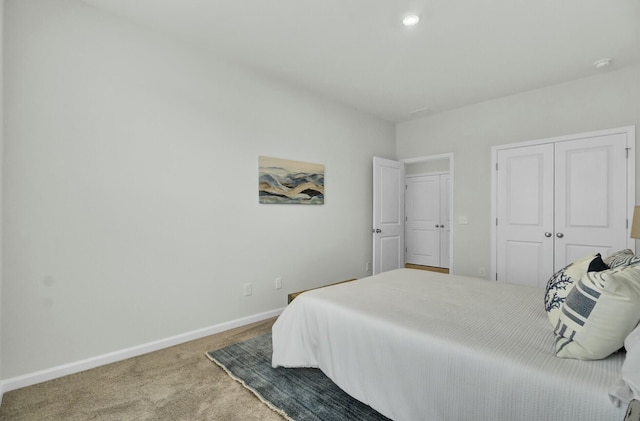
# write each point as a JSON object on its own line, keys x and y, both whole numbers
{"x": 357, "y": 51}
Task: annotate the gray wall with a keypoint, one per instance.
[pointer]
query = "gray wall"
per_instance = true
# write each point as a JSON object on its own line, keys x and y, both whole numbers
{"x": 131, "y": 172}
{"x": 606, "y": 100}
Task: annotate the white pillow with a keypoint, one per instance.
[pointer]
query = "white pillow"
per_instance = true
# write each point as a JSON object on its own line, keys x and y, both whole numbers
{"x": 628, "y": 386}
{"x": 599, "y": 313}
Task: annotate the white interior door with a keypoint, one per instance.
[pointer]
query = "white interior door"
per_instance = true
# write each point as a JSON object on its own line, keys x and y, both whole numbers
{"x": 590, "y": 197}
{"x": 388, "y": 215}
{"x": 445, "y": 220}
{"x": 524, "y": 232}
{"x": 422, "y": 220}
{"x": 427, "y": 220}
{"x": 561, "y": 200}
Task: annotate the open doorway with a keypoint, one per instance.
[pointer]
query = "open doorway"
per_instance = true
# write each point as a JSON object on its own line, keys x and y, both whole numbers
{"x": 428, "y": 212}
{"x": 389, "y": 187}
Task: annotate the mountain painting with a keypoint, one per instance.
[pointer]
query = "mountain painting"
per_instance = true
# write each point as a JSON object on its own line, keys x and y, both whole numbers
{"x": 290, "y": 182}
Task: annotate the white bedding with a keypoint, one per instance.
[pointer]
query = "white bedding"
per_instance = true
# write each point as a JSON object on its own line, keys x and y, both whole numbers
{"x": 418, "y": 345}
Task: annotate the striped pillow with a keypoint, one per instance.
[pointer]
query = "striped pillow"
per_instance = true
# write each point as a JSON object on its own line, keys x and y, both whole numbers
{"x": 598, "y": 314}
{"x": 622, "y": 258}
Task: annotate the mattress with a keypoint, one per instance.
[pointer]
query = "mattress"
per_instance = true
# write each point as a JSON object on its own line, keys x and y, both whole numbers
{"x": 418, "y": 345}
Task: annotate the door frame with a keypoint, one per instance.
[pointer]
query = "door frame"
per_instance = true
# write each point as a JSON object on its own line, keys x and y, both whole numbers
{"x": 630, "y": 132}
{"x": 439, "y": 157}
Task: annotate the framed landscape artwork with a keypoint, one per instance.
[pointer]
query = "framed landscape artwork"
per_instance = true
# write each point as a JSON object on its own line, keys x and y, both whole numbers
{"x": 290, "y": 182}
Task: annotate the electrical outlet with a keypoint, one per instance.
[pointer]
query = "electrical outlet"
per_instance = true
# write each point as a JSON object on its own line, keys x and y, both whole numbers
{"x": 481, "y": 271}
{"x": 278, "y": 283}
{"x": 367, "y": 267}
{"x": 247, "y": 289}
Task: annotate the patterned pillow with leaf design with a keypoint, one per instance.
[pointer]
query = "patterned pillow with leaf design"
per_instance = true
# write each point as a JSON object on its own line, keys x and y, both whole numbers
{"x": 561, "y": 283}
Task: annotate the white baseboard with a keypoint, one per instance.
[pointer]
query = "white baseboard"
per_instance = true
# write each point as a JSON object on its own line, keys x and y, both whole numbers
{"x": 111, "y": 357}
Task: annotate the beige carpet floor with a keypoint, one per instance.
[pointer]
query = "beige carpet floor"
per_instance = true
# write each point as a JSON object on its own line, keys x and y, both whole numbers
{"x": 177, "y": 383}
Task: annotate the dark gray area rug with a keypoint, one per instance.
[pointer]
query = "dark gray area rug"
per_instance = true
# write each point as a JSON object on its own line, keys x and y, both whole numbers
{"x": 300, "y": 394}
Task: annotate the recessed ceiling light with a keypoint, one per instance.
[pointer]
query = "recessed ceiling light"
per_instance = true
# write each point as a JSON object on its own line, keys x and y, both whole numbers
{"x": 602, "y": 63}
{"x": 410, "y": 20}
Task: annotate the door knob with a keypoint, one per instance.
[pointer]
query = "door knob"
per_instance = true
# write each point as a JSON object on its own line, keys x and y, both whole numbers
{"x": 547, "y": 234}
{"x": 559, "y": 235}
{"x": 376, "y": 230}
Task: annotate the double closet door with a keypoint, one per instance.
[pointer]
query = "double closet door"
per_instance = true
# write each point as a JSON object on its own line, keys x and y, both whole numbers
{"x": 427, "y": 222}
{"x": 560, "y": 201}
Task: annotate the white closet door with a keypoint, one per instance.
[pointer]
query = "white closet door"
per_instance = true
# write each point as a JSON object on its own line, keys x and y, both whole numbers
{"x": 524, "y": 234}
{"x": 445, "y": 220}
{"x": 590, "y": 197}
{"x": 423, "y": 220}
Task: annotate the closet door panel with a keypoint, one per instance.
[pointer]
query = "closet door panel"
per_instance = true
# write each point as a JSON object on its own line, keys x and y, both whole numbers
{"x": 525, "y": 263}
{"x": 525, "y": 215}
{"x": 590, "y": 197}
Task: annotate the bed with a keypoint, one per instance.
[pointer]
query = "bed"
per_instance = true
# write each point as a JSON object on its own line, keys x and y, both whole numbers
{"x": 419, "y": 345}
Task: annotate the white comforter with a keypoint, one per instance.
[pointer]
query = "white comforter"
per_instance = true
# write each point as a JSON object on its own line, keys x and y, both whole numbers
{"x": 418, "y": 345}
